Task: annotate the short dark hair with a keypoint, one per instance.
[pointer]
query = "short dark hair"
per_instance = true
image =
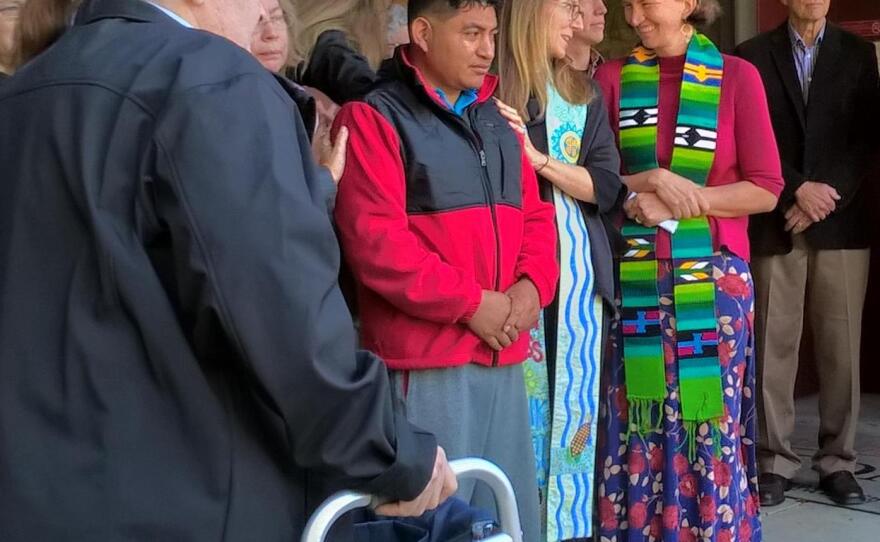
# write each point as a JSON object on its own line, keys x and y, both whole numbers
{"x": 419, "y": 8}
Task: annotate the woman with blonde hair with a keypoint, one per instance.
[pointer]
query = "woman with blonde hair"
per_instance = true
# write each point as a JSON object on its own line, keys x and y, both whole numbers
{"x": 571, "y": 147}
{"x": 274, "y": 40}
{"x": 343, "y": 43}
{"x": 678, "y": 420}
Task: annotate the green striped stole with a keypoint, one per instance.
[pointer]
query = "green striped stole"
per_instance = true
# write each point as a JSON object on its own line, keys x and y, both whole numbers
{"x": 694, "y": 291}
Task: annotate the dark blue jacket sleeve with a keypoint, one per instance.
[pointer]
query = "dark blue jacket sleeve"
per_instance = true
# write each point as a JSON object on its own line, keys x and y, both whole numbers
{"x": 256, "y": 265}
{"x": 602, "y": 159}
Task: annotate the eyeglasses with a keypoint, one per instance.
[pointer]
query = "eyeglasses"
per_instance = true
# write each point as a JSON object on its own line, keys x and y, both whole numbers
{"x": 574, "y": 9}
{"x": 10, "y": 10}
{"x": 277, "y": 22}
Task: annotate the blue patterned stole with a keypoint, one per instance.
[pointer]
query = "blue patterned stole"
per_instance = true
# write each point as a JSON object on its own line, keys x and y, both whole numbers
{"x": 564, "y": 433}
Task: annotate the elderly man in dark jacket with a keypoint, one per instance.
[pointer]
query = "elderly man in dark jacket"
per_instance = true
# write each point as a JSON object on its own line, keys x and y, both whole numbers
{"x": 176, "y": 360}
{"x": 811, "y": 255}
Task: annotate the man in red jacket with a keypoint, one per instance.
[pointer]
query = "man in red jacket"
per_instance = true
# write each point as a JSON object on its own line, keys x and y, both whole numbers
{"x": 453, "y": 251}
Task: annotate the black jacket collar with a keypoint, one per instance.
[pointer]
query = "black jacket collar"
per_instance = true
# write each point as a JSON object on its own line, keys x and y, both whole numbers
{"x": 401, "y": 68}
{"x": 784, "y": 58}
{"x": 304, "y": 102}
{"x": 134, "y": 10}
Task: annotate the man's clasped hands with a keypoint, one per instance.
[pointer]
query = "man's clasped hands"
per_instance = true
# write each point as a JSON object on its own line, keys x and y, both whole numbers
{"x": 501, "y": 317}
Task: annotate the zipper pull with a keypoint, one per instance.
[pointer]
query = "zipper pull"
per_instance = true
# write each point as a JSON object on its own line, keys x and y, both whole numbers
{"x": 483, "y": 158}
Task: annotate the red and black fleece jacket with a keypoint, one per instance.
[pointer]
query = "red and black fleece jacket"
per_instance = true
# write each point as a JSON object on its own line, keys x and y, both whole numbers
{"x": 434, "y": 208}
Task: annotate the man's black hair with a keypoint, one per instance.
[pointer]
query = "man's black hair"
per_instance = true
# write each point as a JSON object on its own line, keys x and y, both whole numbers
{"x": 419, "y": 8}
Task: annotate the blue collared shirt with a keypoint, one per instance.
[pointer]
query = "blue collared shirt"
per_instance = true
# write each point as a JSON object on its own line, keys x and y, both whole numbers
{"x": 805, "y": 58}
{"x": 465, "y": 99}
{"x": 170, "y": 13}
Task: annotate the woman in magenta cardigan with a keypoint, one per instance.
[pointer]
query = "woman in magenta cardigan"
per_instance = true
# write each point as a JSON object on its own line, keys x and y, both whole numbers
{"x": 698, "y": 155}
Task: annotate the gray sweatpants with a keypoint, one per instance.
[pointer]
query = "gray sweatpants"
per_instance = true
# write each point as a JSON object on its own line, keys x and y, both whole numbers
{"x": 478, "y": 411}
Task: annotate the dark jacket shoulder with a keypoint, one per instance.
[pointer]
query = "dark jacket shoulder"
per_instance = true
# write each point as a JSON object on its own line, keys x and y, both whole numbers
{"x": 757, "y": 45}
{"x": 338, "y": 70}
{"x": 849, "y": 40}
{"x": 760, "y": 44}
{"x": 161, "y": 61}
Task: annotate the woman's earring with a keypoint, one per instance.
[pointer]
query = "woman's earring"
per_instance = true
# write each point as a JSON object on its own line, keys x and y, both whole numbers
{"x": 687, "y": 31}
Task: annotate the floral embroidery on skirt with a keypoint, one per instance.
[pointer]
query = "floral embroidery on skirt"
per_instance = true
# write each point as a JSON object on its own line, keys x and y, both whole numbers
{"x": 648, "y": 490}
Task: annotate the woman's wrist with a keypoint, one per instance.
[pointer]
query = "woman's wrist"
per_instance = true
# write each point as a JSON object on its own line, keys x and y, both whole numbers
{"x": 653, "y": 180}
{"x": 541, "y": 161}
{"x": 706, "y": 193}
{"x": 640, "y": 182}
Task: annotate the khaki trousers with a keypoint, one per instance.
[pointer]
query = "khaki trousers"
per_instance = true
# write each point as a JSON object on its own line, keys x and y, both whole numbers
{"x": 824, "y": 289}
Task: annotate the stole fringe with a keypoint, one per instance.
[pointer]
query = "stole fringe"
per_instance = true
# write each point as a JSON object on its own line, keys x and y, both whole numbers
{"x": 642, "y": 417}
{"x": 644, "y": 420}
{"x": 692, "y": 427}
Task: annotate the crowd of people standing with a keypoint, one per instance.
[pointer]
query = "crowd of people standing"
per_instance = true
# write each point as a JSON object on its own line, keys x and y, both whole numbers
{"x": 592, "y": 273}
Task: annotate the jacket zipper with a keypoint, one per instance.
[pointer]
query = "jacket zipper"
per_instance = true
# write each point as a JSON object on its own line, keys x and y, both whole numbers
{"x": 492, "y": 211}
{"x": 490, "y": 199}
{"x": 477, "y": 143}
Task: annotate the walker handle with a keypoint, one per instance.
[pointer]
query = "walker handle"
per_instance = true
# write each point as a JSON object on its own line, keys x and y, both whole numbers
{"x": 479, "y": 469}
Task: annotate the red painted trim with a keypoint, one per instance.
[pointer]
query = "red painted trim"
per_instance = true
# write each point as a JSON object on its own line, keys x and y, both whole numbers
{"x": 868, "y": 29}
{"x": 771, "y": 13}
{"x": 861, "y": 17}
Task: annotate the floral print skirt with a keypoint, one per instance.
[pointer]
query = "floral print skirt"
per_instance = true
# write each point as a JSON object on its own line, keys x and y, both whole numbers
{"x": 648, "y": 489}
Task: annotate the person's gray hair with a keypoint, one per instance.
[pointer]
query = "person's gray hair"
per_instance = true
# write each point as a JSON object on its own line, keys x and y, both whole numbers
{"x": 706, "y": 13}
